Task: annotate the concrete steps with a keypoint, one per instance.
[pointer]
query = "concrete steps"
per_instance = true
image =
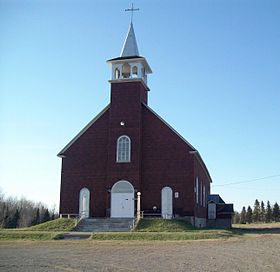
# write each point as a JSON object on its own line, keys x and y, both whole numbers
{"x": 105, "y": 225}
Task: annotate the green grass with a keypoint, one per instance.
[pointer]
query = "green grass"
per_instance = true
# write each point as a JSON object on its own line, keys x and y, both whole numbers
{"x": 147, "y": 230}
{"x": 163, "y": 236}
{"x": 27, "y": 235}
{"x": 61, "y": 224}
{"x": 46, "y": 231}
{"x": 257, "y": 225}
{"x": 161, "y": 225}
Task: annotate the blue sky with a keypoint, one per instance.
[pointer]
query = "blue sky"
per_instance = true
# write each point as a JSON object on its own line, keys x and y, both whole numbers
{"x": 216, "y": 67}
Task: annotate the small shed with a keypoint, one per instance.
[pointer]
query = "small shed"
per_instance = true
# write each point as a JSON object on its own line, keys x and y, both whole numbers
{"x": 219, "y": 213}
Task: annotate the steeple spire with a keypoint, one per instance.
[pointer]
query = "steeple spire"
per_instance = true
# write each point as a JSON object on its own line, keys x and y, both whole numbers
{"x": 130, "y": 47}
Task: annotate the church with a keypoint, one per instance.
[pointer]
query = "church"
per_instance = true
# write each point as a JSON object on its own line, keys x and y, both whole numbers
{"x": 128, "y": 151}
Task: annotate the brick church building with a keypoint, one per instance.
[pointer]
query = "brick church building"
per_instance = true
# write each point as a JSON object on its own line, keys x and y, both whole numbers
{"x": 128, "y": 148}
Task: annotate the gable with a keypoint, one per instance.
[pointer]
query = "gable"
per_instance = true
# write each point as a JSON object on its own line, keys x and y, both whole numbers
{"x": 61, "y": 153}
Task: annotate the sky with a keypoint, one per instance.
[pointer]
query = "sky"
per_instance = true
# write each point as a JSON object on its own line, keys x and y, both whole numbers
{"x": 216, "y": 67}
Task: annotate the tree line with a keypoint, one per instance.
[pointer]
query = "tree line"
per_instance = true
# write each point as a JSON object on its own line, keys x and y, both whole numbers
{"x": 21, "y": 213}
{"x": 259, "y": 214}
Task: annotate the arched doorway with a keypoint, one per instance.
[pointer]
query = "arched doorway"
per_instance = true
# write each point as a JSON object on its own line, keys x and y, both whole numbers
{"x": 122, "y": 200}
{"x": 166, "y": 203}
{"x": 84, "y": 203}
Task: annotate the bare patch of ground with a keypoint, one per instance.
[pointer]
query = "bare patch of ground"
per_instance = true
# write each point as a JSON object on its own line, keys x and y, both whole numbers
{"x": 250, "y": 253}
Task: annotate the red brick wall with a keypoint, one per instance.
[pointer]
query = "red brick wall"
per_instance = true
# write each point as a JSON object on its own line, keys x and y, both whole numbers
{"x": 159, "y": 158}
{"x": 85, "y": 166}
{"x": 199, "y": 172}
{"x": 126, "y": 106}
{"x": 165, "y": 162}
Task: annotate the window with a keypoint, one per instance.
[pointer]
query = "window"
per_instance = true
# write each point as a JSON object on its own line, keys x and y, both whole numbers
{"x": 123, "y": 149}
{"x": 117, "y": 73}
{"x": 201, "y": 193}
{"x": 126, "y": 70}
{"x": 196, "y": 190}
{"x": 134, "y": 71}
{"x": 204, "y": 196}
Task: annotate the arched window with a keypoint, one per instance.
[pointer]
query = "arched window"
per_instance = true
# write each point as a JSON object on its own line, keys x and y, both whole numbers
{"x": 117, "y": 73}
{"x": 126, "y": 70}
{"x": 123, "y": 149}
{"x": 134, "y": 71}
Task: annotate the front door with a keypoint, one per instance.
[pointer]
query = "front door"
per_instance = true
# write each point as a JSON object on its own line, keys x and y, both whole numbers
{"x": 122, "y": 200}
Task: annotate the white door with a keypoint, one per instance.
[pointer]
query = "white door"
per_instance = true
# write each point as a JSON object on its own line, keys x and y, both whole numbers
{"x": 122, "y": 200}
{"x": 84, "y": 203}
{"x": 166, "y": 203}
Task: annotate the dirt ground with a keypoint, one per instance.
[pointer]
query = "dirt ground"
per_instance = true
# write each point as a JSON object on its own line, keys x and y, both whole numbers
{"x": 250, "y": 253}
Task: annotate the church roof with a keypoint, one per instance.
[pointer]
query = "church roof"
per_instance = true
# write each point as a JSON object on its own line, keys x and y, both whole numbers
{"x": 122, "y": 58}
{"x": 216, "y": 199}
{"x": 130, "y": 47}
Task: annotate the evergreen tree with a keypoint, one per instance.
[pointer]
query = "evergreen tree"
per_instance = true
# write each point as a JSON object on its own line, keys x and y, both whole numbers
{"x": 6, "y": 219}
{"x": 256, "y": 212}
{"x": 268, "y": 214}
{"x": 249, "y": 215}
{"x": 276, "y": 212}
{"x": 243, "y": 216}
{"x": 262, "y": 212}
{"x": 53, "y": 216}
{"x": 36, "y": 217}
{"x": 236, "y": 218}
{"x": 13, "y": 223}
{"x": 46, "y": 216}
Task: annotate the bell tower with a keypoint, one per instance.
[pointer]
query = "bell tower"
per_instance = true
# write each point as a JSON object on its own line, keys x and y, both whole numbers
{"x": 129, "y": 91}
{"x": 130, "y": 66}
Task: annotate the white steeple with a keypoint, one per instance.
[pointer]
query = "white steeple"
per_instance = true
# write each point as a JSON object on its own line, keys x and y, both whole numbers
{"x": 130, "y": 66}
{"x": 130, "y": 47}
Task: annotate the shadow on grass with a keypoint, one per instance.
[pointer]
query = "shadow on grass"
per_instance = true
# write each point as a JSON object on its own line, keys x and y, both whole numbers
{"x": 242, "y": 231}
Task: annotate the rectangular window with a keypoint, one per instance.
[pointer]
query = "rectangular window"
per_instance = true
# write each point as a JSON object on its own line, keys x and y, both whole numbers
{"x": 196, "y": 190}
{"x": 201, "y": 193}
{"x": 204, "y": 200}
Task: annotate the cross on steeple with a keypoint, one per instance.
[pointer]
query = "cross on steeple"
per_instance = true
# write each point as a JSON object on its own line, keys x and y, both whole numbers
{"x": 132, "y": 9}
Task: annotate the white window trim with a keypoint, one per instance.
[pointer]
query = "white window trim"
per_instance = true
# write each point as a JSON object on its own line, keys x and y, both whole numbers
{"x": 129, "y": 150}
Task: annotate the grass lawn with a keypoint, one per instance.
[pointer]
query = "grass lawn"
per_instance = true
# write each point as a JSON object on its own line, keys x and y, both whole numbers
{"x": 147, "y": 229}
{"x": 257, "y": 225}
{"x": 45, "y": 231}
{"x": 27, "y": 235}
{"x": 163, "y": 236}
{"x": 161, "y": 225}
{"x": 61, "y": 224}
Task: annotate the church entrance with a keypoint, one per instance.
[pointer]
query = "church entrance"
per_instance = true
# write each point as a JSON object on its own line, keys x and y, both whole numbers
{"x": 122, "y": 200}
{"x": 166, "y": 203}
{"x": 84, "y": 203}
